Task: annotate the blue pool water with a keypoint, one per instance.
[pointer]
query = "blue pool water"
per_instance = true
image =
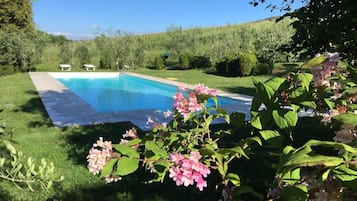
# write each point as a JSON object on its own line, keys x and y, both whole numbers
{"x": 125, "y": 92}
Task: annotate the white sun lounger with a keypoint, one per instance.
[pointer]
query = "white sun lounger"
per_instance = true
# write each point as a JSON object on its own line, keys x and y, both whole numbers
{"x": 89, "y": 67}
{"x": 65, "y": 67}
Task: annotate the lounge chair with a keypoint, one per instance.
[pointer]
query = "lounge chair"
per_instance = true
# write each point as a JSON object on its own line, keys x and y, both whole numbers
{"x": 89, "y": 67}
{"x": 65, "y": 67}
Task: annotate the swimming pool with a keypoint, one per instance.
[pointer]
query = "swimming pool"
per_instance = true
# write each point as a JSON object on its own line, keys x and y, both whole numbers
{"x": 126, "y": 92}
{"x": 66, "y": 108}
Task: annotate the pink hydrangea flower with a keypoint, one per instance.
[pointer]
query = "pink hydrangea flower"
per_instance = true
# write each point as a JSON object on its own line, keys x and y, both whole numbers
{"x": 202, "y": 89}
{"x": 188, "y": 170}
{"x": 131, "y": 133}
{"x": 99, "y": 155}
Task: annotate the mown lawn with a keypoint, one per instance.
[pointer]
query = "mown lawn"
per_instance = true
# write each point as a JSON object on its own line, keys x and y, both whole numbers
{"x": 29, "y": 128}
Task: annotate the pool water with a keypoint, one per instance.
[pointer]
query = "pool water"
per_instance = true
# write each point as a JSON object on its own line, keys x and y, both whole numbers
{"x": 125, "y": 92}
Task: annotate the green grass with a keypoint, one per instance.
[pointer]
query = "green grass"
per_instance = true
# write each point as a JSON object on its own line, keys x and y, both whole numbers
{"x": 242, "y": 85}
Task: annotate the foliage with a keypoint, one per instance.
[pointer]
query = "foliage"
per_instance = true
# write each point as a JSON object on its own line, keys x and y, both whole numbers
{"x": 310, "y": 171}
{"x": 185, "y": 60}
{"x": 228, "y": 66}
{"x": 21, "y": 50}
{"x": 29, "y": 174}
{"x": 200, "y": 62}
{"x": 263, "y": 69}
{"x": 325, "y": 26}
{"x": 247, "y": 62}
{"x": 185, "y": 149}
{"x": 16, "y": 15}
{"x": 82, "y": 55}
{"x": 159, "y": 62}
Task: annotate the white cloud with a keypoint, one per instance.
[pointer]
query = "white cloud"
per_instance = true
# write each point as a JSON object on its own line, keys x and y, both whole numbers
{"x": 74, "y": 36}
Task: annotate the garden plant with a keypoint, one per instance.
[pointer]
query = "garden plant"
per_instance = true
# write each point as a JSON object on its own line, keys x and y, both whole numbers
{"x": 188, "y": 148}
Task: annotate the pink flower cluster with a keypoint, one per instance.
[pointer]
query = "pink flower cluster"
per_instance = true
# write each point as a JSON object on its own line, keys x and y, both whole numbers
{"x": 129, "y": 134}
{"x": 202, "y": 89}
{"x": 188, "y": 170}
{"x": 329, "y": 68}
{"x": 99, "y": 155}
{"x": 186, "y": 105}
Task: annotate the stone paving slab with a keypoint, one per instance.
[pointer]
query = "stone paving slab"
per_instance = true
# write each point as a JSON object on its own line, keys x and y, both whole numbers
{"x": 67, "y": 109}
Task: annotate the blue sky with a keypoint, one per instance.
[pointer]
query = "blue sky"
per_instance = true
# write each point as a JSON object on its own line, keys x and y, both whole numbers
{"x": 80, "y": 19}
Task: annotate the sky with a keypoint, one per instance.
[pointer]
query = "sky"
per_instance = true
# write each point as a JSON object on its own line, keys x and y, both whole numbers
{"x": 84, "y": 19}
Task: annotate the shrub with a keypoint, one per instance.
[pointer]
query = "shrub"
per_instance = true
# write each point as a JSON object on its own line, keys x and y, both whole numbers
{"x": 7, "y": 70}
{"x": 229, "y": 66}
{"x": 185, "y": 60}
{"x": 247, "y": 62}
{"x": 200, "y": 62}
{"x": 159, "y": 62}
{"x": 263, "y": 69}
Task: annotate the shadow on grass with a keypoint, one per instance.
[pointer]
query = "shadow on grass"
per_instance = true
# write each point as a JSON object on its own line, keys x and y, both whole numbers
{"x": 35, "y": 105}
{"x": 132, "y": 189}
{"x": 241, "y": 90}
{"x": 80, "y": 139}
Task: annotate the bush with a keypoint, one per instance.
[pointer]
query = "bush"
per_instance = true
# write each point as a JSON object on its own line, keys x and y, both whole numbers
{"x": 247, "y": 62}
{"x": 263, "y": 69}
{"x": 229, "y": 66}
{"x": 185, "y": 60}
{"x": 200, "y": 62}
{"x": 7, "y": 70}
{"x": 159, "y": 62}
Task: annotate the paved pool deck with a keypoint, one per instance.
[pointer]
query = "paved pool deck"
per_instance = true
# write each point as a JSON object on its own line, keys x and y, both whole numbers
{"x": 67, "y": 109}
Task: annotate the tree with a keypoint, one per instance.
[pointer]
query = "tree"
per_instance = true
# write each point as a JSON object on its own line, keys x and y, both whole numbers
{"x": 328, "y": 25}
{"x": 16, "y": 15}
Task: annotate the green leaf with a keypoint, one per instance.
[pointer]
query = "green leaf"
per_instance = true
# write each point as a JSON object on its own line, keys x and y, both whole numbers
{"x": 306, "y": 160}
{"x": 305, "y": 79}
{"x": 268, "y": 134}
{"x": 234, "y": 178}
{"x": 345, "y": 173}
{"x": 126, "y": 150}
{"x": 275, "y": 83}
{"x": 108, "y": 167}
{"x": 284, "y": 118}
{"x": 314, "y": 61}
{"x": 127, "y": 166}
{"x": 330, "y": 103}
{"x": 155, "y": 148}
{"x": 291, "y": 177}
{"x": 267, "y": 94}
{"x": 347, "y": 118}
{"x": 133, "y": 142}
{"x": 255, "y": 120}
{"x": 2, "y": 162}
{"x": 326, "y": 174}
{"x": 9, "y": 147}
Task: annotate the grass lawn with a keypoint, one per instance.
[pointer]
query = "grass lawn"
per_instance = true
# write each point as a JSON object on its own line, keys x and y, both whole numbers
{"x": 242, "y": 85}
{"x": 30, "y": 130}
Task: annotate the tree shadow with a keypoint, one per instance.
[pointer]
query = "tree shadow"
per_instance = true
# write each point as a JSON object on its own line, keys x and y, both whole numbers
{"x": 131, "y": 189}
{"x": 35, "y": 105}
{"x": 250, "y": 91}
{"x": 4, "y": 195}
{"x": 79, "y": 140}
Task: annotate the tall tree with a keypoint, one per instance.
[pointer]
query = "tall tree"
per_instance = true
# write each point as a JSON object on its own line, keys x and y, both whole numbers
{"x": 16, "y": 15}
{"x": 323, "y": 25}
